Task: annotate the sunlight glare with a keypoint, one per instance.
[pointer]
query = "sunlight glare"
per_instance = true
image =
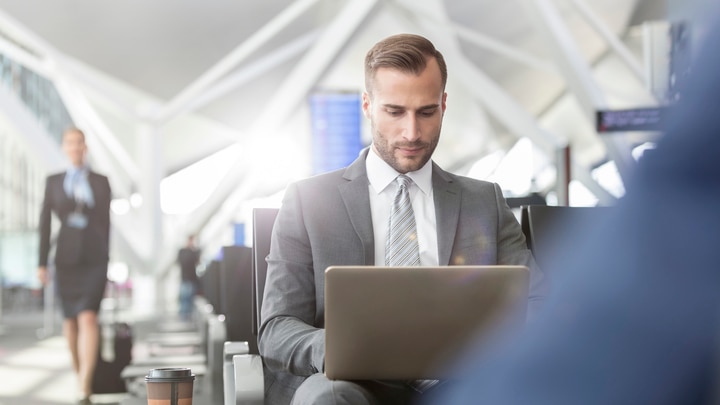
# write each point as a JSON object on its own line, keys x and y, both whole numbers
{"x": 186, "y": 189}
{"x": 19, "y": 382}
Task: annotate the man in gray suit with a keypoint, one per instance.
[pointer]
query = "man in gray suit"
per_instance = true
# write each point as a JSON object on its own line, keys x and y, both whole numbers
{"x": 341, "y": 218}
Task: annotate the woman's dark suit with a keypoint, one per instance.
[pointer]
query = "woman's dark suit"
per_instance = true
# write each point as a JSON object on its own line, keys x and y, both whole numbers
{"x": 81, "y": 255}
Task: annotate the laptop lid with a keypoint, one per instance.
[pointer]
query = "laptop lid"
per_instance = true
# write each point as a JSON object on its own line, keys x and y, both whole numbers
{"x": 402, "y": 323}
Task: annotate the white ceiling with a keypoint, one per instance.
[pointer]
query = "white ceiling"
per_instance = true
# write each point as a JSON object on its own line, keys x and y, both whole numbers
{"x": 161, "y": 47}
{"x": 137, "y": 53}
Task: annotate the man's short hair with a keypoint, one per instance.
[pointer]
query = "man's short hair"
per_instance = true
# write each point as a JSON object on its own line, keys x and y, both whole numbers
{"x": 404, "y": 52}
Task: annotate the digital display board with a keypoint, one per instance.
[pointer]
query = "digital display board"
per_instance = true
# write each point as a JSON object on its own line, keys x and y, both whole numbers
{"x": 336, "y": 130}
{"x": 636, "y": 119}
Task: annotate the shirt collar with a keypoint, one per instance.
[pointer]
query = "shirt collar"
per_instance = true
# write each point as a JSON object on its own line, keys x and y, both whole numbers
{"x": 380, "y": 174}
{"x": 72, "y": 170}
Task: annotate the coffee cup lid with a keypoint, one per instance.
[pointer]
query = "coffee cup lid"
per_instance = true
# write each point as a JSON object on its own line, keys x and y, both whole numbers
{"x": 175, "y": 374}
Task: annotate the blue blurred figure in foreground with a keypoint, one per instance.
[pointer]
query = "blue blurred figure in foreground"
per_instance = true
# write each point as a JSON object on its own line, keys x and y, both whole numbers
{"x": 639, "y": 324}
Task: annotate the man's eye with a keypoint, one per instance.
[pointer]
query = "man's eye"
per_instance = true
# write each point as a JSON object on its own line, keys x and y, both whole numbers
{"x": 395, "y": 113}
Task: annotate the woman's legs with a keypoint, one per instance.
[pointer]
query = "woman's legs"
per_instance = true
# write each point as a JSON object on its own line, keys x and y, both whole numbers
{"x": 81, "y": 288}
{"x": 88, "y": 341}
{"x": 70, "y": 330}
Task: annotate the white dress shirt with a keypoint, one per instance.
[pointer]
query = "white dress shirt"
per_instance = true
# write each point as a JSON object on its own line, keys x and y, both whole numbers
{"x": 382, "y": 189}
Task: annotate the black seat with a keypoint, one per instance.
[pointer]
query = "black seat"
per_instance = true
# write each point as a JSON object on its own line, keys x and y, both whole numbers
{"x": 243, "y": 373}
{"x": 550, "y": 230}
{"x": 236, "y": 287}
{"x": 263, "y": 221}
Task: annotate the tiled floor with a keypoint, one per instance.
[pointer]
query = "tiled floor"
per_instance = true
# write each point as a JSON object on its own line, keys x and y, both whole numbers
{"x": 35, "y": 366}
{"x": 36, "y": 370}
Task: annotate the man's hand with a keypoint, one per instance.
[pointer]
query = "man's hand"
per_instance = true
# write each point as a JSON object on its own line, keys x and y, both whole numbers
{"x": 43, "y": 275}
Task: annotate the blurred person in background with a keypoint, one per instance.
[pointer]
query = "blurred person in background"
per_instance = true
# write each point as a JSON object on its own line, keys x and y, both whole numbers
{"x": 188, "y": 258}
{"x": 80, "y": 199}
{"x": 641, "y": 323}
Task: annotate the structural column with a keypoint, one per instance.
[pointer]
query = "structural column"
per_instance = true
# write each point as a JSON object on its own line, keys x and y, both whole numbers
{"x": 146, "y": 204}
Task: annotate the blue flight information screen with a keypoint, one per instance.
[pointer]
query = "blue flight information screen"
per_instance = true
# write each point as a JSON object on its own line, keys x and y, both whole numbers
{"x": 336, "y": 127}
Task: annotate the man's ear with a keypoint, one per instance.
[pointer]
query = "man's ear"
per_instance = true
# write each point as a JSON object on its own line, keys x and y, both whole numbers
{"x": 366, "y": 104}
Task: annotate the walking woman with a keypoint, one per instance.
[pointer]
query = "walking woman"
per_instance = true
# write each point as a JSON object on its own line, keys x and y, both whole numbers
{"x": 80, "y": 199}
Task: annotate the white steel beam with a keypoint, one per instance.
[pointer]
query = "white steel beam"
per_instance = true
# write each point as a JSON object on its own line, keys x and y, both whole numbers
{"x": 150, "y": 213}
{"x": 253, "y": 187}
{"x": 483, "y": 41}
{"x": 25, "y": 37}
{"x": 49, "y": 63}
{"x": 579, "y": 79}
{"x": 494, "y": 98}
{"x": 46, "y": 64}
{"x": 611, "y": 38}
{"x": 291, "y": 93}
{"x": 584, "y": 176}
{"x": 255, "y": 69}
{"x": 37, "y": 141}
{"x": 85, "y": 117}
{"x": 499, "y": 48}
{"x": 97, "y": 87}
{"x": 25, "y": 58}
{"x": 180, "y": 102}
{"x": 312, "y": 66}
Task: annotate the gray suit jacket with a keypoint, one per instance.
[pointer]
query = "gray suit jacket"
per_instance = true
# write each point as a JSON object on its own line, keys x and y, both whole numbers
{"x": 325, "y": 220}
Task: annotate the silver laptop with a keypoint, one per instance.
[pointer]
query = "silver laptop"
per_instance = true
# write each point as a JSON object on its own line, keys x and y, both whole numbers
{"x": 407, "y": 323}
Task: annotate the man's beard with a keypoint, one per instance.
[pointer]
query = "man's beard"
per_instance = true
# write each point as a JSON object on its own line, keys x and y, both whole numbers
{"x": 387, "y": 152}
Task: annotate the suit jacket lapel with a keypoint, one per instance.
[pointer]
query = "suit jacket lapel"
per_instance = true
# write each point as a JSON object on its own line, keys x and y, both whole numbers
{"x": 59, "y": 186}
{"x": 354, "y": 193}
{"x": 93, "y": 181}
{"x": 447, "y": 212}
{"x": 447, "y": 197}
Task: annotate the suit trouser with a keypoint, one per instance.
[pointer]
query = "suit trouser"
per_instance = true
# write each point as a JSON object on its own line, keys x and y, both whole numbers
{"x": 319, "y": 390}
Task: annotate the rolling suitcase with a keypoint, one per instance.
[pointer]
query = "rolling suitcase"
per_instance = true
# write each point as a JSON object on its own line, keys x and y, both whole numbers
{"x": 114, "y": 353}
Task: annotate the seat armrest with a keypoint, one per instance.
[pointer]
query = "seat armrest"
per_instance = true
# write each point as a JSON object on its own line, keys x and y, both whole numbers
{"x": 231, "y": 349}
{"x": 249, "y": 379}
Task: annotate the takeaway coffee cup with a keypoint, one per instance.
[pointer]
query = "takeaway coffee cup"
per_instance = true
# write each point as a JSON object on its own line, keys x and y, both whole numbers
{"x": 169, "y": 386}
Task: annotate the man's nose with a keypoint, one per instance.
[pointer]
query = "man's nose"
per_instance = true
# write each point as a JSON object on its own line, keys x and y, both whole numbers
{"x": 412, "y": 128}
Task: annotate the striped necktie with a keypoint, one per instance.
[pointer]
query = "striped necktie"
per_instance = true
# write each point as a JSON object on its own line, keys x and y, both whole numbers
{"x": 401, "y": 248}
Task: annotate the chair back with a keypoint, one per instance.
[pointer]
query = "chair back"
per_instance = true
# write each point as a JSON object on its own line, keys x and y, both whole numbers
{"x": 546, "y": 227}
{"x": 236, "y": 291}
{"x": 263, "y": 222}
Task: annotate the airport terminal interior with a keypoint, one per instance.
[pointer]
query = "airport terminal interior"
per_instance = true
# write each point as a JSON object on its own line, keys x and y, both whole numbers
{"x": 199, "y": 113}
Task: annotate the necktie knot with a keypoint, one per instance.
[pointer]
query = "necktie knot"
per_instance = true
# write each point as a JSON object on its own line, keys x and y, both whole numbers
{"x": 403, "y": 181}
